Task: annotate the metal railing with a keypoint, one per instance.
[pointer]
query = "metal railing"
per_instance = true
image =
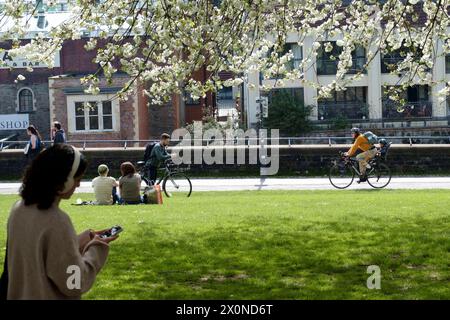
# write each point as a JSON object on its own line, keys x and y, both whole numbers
{"x": 7, "y": 140}
{"x": 412, "y": 109}
{"x": 350, "y": 110}
{"x": 282, "y": 141}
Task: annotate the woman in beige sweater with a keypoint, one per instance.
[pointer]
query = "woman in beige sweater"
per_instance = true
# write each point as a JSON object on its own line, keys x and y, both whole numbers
{"x": 45, "y": 258}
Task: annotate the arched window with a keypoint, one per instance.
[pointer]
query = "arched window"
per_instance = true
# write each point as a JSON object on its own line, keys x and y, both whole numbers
{"x": 26, "y": 103}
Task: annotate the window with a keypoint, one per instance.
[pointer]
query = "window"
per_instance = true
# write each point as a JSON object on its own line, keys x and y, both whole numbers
{"x": 390, "y": 60}
{"x": 93, "y": 115}
{"x": 297, "y": 58}
{"x": 351, "y": 104}
{"x": 42, "y": 22}
{"x": 327, "y": 62}
{"x": 294, "y": 63}
{"x": 107, "y": 115}
{"x": 224, "y": 98}
{"x": 226, "y": 93}
{"x": 447, "y": 63}
{"x": 415, "y": 103}
{"x": 57, "y": 6}
{"x": 294, "y": 92}
{"x": 448, "y": 107}
{"x": 79, "y": 116}
{"x": 25, "y": 100}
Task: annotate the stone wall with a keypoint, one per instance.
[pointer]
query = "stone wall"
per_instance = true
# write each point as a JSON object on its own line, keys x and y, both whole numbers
{"x": 59, "y": 107}
{"x": 162, "y": 118}
{"x": 39, "y": 118}
{"x": 296, "y": 160}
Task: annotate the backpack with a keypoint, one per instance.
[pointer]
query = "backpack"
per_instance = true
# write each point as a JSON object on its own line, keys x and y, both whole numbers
{"x": 148, "y": 151}
{"x": 371, "y": 137}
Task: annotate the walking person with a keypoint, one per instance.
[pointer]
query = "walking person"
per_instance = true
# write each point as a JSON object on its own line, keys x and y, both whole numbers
{"x": 43, "y": 251}
{"x": 34, "y": 145}
{"x": 158, "y": 155}
{"x": 58, "y": 134}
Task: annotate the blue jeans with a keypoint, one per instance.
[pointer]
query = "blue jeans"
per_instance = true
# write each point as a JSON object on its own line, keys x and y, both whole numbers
{"x": 115, "y": 196}
{"x": 122, "y": 201}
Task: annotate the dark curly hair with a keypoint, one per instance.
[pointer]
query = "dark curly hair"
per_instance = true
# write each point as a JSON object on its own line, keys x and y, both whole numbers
{"x": 47, "y": 174}
{"x": 127, "y": 169}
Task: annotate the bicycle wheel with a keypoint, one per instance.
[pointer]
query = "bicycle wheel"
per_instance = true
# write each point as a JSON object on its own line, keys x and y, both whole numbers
{"x": 379, "y": 176}
{"x": 341, "y": 176}
{"x": 177, "y": 185}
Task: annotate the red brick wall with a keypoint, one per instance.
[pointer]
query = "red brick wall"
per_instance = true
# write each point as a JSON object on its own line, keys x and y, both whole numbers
{"x": 59, "y": 109}
{"x": 194, "y": 112}
{"x": 143, "y": 115}
{"x": 76, "y": 59}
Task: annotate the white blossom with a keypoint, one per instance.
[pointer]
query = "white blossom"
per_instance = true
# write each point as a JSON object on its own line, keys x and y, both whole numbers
{"x": 163, "y": 43}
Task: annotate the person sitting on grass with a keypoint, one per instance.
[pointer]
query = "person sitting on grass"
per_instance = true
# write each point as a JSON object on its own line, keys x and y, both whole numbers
{"x": 105, "y": 188}
{"x": 43, "y": 250}
{"x": 129, "y": 184}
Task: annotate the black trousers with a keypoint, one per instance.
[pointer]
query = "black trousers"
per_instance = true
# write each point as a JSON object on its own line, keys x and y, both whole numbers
{"x": 152, "y": 174}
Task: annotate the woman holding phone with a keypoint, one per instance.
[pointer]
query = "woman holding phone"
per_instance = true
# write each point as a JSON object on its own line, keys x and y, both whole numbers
{"x": 45, "y": 257}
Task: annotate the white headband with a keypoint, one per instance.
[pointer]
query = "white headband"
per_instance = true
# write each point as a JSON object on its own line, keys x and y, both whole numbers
{"x": 76, "y": 163}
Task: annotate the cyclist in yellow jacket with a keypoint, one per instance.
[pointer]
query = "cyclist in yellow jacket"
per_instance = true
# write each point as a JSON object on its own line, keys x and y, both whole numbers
{"x": 363, "y": 150}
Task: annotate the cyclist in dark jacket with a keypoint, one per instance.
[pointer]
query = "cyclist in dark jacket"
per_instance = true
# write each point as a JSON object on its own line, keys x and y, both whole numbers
{"x": 158, "y": 156}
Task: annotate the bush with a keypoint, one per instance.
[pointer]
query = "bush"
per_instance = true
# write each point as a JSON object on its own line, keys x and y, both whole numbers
{"x": 288, "y": 114}
{"x": 340, "y": 122}
{"x": 209, "y": 121}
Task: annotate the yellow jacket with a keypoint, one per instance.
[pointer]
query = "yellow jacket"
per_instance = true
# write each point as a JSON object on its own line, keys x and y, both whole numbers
{"x": 360, "y": 143}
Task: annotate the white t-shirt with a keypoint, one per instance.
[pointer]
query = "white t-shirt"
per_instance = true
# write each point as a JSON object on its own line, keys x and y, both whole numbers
{"x": 103, "y": 189}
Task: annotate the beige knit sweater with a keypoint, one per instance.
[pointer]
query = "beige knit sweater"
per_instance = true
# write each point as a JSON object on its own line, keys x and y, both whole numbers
{"x": 42, "y": 245}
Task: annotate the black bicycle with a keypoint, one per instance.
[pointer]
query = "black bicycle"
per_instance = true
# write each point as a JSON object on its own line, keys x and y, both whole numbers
{"x": 174, "y": 181}
{"x": 344, "y": 169}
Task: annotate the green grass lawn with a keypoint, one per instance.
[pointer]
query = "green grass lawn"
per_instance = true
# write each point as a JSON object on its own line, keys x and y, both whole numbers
{"x": 273, "y": 245}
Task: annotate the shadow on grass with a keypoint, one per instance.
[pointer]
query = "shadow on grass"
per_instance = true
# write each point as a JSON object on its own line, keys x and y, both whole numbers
{"x": 253, "y": 261}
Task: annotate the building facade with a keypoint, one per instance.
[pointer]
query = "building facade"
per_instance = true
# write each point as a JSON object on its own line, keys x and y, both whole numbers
{"x": 55, "y": 94}
{"x": 364, "y": 102}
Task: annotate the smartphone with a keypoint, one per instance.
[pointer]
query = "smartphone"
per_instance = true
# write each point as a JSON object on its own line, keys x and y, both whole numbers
{"x": 111, "y": 232}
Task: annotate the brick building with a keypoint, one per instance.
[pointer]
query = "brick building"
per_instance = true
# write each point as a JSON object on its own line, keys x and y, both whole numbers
{"x": 53, "y": 94}
{"x": 46, "y": 95}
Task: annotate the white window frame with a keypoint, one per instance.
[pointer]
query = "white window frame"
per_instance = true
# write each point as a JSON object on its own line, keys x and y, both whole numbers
{"x": 98, "y": 99}
{"x": 18, "y": 100}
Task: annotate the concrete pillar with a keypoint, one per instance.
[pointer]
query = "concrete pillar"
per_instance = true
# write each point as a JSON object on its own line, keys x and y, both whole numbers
{"x": 251, "y": 89}
{"x": 374, "y": 92}
{"x": 439, "y": 108}
{"x": 310, "y": 93}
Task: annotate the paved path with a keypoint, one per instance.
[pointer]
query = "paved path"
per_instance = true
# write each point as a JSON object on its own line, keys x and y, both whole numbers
{"x": 278, "y": 184}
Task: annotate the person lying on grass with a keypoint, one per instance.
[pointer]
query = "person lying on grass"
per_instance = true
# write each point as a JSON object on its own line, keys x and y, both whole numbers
{"x": 45, "y": 257}
{"x": 105, "y": 188}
